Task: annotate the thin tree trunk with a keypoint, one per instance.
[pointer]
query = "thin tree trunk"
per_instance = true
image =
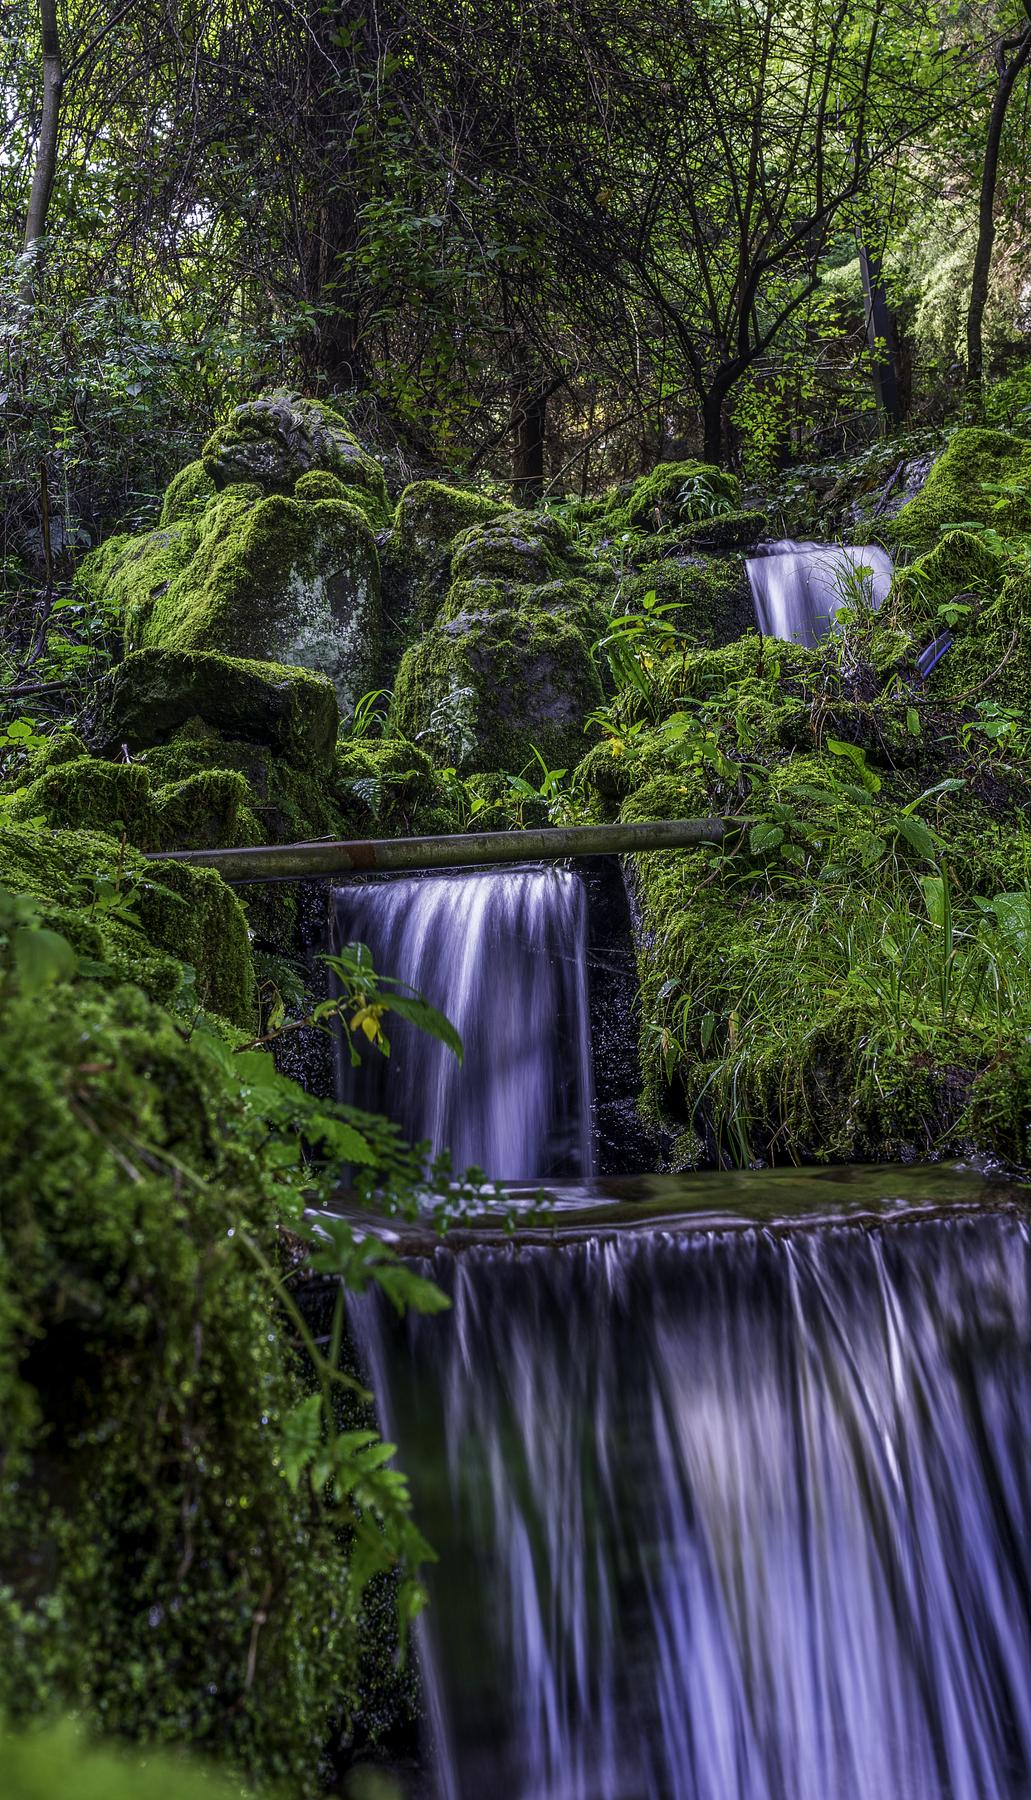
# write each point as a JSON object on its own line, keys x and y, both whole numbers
{"x": 529, "y": 421}
{"x": 1020, "y": 50}
{"x": 882, "y": 336}
{"x": 50, "y": 118}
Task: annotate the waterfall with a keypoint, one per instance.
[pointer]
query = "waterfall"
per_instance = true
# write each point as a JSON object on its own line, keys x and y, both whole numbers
{"x": 503, "y": 955}
{"x": 725, "y": 1515}
{"x": 797, "y": 588}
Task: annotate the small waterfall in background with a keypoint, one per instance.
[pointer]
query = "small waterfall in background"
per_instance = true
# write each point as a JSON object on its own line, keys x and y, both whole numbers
{"x": 797, "y": 588}
{"x": 724, "y": 1515}
{"x": 503, "y": 955}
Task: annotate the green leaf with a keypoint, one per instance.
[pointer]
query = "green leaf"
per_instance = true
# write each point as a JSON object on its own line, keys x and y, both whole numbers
{"x": 405, "y": 1290}
{"x": 302, "y": 1438}
{"x": 419, "y": 1012}
{"x": 41, "y": 958}
{"x": 917, "y": 835}
{"x": 764, "y": 838}
{"x": 913, "y": 721}
{"x": 855, "y": 755}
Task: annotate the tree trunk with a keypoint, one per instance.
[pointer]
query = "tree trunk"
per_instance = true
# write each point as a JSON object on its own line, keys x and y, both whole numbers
{"x": 712, "y": 425}
{"x": 1020, "y": 50}
{"x": 882, "y": 336}
{"x": 529, "y": 422}
{"x": 50, "y": 117}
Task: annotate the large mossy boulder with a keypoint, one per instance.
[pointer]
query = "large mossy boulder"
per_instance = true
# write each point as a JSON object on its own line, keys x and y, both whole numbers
{"x": 507, "y": 667}
{"x": 983, "y": 477}
{"x": 416, "y": 557}
{"x": 271, "y": 579}
{"x": 483, "y": 691}
{"x": 153, "y": 693}
{"x": 277, "y": 441}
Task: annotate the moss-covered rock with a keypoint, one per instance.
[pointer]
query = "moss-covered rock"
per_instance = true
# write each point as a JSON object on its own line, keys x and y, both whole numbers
{"x": 483, "y": 690}
{"x": 519, "y": 546}
{"x": 681, "y": 493}
{"x": 276, "y": 580}
{"x": 187, "y": 494}
{"x": 143, "y": 921}
{"x": 273, "y": 580}
{"x": 711, "y": 596}
{"x": 727, "y": 531}
{"x": 961, "y": 571}
{"x": 574, "y": 600}
{"x": 958, "y": 490}
{"x": 289, "y": 802}
{"x": 125, "y": 574}
{"x": 153, "y": 693}
{"x": 157, "y": 1575}
{"x": 278, "y": 440}
{"x": 417, "y": 556}
{"x": 388, "y": 787}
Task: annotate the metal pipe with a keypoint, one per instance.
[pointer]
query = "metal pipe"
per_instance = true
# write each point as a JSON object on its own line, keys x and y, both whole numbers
{"x": 474, "y": 849}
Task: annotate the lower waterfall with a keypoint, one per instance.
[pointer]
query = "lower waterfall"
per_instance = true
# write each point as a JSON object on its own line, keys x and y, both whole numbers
{"x": 797, "y": 587}
{"x": 503, "y": 955}
{"x": 725, "y": 1515}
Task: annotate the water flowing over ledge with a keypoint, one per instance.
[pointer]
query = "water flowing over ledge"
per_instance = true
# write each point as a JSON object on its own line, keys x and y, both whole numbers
{"x": 725, "y": 1515}
{"x": 503, "y": 956}
{"x": 798, "y": 587}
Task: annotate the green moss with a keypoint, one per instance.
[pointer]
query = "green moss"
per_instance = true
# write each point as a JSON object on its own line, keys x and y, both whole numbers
{"x": 954, "y": 493}
{"x": 572, "y": 599}
{"x": 187, "y": 494}
{"x": 319, "y": 484}
{"x": 168, "y": 917}
{"x": 961, "y": 567}
{"x": 518, "y": 546}
{"x": 274, "y": 580}
{"x": 680, "y": 493}
{"x": 290, "y": 802}
{"x": 278, "y": 440}
{"x": 712, "y": 598}
{"x": 160, "y": 1579}
{"x": 388, "y": 787}
{"x": 728, "y": 531}
{"x": 417, "y": 555}
{"x": 125, "y": 574}
{"x": 57, "y": 1764}
{"x": 153, "y": 693}
{"x": 483, "y": 692}
{"x": 88, "y": 795}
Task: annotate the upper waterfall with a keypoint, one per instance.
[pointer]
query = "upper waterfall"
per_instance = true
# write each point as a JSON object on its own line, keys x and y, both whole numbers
{"x": 798, "y": 587}
{"x": 503, "y": 955}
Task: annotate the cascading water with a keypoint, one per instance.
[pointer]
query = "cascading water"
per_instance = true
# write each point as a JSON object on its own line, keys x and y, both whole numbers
{"x": 503, "y": 955}
{"x": 797, "y": 588}
{"x": 725, "y": 1514}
